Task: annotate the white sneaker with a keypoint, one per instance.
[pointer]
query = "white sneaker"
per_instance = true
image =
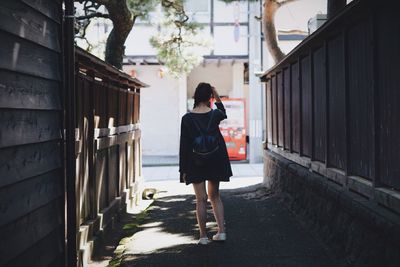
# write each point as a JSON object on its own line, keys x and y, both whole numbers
{"x": 219, "y": 237}
{"x": 203, "y": 241}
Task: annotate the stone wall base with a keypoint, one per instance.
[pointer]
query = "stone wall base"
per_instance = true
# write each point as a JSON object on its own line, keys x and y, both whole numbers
{"x": 361, "y": 231}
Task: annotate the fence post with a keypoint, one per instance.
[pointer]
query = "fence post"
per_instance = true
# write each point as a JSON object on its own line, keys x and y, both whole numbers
{"x": 277, "y": 110}
{"x": 300, "y": 107}
{"x": 283, "y": 108}
{"x": 91, "y": 153}
{"x": 290, "y": 110}
{"x": 376, "y": 107}
{"x": 326, "y": 63}
{"x": 312, "y": 157}
{"x": 346, "y": 108}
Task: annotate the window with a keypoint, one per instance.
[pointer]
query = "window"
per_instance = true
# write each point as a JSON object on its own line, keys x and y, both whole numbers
{"x": 230, "y": 12}
{"x": 230, "y": 41}
{"x": 194, "y": 6}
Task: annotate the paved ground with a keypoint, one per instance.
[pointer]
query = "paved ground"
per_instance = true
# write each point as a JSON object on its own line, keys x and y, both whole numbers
{"x": 261, "y": 231}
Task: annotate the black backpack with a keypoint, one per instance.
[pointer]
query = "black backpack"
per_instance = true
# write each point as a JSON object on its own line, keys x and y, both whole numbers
{"x": 206, "y": 145}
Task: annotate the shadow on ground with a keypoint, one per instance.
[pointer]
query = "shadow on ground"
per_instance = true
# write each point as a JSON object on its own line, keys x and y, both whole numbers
{"x": 261, "y": 232}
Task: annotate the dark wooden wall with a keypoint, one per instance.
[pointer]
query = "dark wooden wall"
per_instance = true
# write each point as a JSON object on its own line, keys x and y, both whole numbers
{"x": 31, "y": 174}
{"x": 333, "y": 103}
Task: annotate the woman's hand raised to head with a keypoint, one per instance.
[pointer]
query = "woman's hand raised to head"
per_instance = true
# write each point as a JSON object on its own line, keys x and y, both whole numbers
{"x": 215, "y": 94}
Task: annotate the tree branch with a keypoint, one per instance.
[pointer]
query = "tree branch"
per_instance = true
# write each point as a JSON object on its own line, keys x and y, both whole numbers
{"x": 93, "y": 15}
{"x": 101, "y": 2}
{"x": 284, "y": 2}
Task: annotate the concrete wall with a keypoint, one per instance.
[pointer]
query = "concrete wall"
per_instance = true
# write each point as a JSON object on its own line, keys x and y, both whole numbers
{"x": 221, "y": 77}
{"x": 228, "y": 78}
{"x": 162, "y": 106}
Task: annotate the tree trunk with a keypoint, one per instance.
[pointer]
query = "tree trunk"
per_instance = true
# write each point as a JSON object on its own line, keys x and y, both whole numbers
{"x": 270, "y": 8}
{"x": 122, "y": 25}
{"x": 334, "y": 6}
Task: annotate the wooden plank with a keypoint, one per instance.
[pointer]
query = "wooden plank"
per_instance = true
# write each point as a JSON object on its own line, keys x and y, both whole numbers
{"x": 274, "y": 111}
{"x": 336, "y": 106}
{"x": 287, "y": 109}
{"x": 387, "y": 67}
{"x": 136, "y": 108}
{"x": 306, "y": 112}
{"x": 42, "y": 253}
{"x": 28, "y": 230}
{"x": 50, "y": 8}
{"x": 129, "y": 164}
{"x": 360, "y": 101}
{"x": 58, "y": 262}
{"x": 23, "y": 127}
{"x": 122, "y": 108}
{"x": 19, "y": 199}
{"x": 280, "y": 94}
{"x": 129, "y": 114}
{"x": 113, "y": 173}
{"x": 101, "y": 179}
{"x": 23, "y": 56}
{"x": 101, "y": 105}
{"x": 18, "y": 163}
{"x": 109, "y": 141}
{"x": 19, "y": 19}
{"x": 112, "y": 104}
{"x": 27, "y": 92}
{"x": 319, "y": 103}
{"x": 89, "y": 143}
{"x": 296, "y": 111}
{"x": 269, "y": 110}
{"x": 123, "y": 168}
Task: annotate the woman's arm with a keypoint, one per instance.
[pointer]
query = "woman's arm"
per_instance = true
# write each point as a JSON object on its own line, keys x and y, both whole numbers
{"x": 219, "y": 104}
{"x": 183, "y": 149}
{"x": 215, "y": 95}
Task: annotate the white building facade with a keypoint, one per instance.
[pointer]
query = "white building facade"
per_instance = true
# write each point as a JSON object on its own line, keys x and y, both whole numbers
{"x": 168, "y": 99}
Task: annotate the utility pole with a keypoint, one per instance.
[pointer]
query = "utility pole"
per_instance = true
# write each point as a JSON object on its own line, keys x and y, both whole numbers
{"x": 255, "y": 86}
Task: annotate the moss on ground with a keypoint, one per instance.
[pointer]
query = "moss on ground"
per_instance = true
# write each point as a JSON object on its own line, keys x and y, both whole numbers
{"x": 128, "y": 230}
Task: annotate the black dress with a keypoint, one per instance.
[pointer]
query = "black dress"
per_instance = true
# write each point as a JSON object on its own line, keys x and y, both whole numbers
{"x": 220, "y": 168}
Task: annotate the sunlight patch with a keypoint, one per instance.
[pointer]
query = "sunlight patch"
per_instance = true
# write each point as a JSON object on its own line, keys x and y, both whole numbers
{"x": 152, "y": 240}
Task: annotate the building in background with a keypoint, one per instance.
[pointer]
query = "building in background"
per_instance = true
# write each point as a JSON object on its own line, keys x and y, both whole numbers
{"x": 238, "y": 53}
{"x": 167, "y": 98}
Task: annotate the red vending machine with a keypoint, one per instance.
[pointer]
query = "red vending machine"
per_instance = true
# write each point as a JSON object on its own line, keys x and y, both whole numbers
{"x": 233, "y": 128}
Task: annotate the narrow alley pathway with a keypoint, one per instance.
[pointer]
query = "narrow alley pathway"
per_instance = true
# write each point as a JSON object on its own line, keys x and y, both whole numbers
{"x": 261, "y": 232}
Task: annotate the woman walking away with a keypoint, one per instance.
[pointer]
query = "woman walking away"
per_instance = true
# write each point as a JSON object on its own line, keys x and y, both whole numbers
{"x": 203, "y": 156}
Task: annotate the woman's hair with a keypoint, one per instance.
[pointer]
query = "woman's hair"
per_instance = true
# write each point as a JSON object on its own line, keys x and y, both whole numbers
{"x": 203, "y": 93}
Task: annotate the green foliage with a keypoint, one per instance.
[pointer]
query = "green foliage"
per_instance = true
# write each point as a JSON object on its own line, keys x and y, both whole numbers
{"x": 142, "y": 8}
{"x": 180, "y": 45}
{"x": 180, "y": 56}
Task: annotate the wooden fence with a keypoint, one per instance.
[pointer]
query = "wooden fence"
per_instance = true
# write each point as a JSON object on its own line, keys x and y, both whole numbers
{"x": 333, "y": 105}
{"x": 108, "y": 158}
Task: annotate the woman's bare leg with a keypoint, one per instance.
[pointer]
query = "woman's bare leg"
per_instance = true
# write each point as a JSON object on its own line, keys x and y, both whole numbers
{"x": 201, "y": 207}
{"x": 218, "y": 207}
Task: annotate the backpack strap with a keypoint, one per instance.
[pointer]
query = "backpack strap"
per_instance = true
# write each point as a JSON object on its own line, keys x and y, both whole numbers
{"x": 209, "y": 122}
{"x": 195, "y": 123}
